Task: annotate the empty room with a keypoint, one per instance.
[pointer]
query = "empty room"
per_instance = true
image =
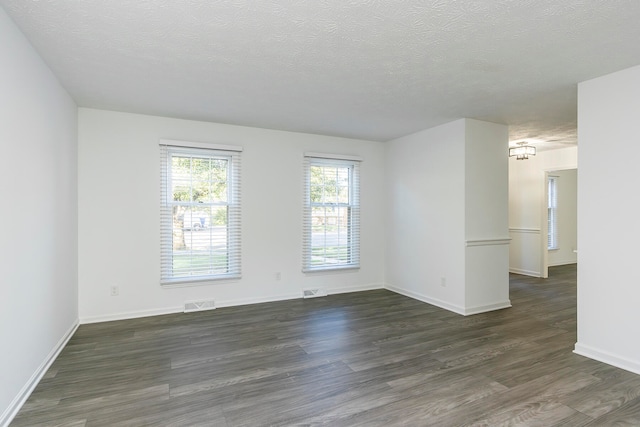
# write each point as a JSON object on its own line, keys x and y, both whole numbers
{"x": 344, "y": 213}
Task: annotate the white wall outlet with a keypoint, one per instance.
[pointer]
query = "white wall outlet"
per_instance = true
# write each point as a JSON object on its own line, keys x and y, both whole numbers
{"x": 115, "y": 290}
{"x": 278, "y": 276}
{"x": 443, "y": 282}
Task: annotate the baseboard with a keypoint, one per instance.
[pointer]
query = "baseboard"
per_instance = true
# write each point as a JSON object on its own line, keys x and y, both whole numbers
{"x": 251, "y": 301}
{"x": 130, "y": 315}
{"x": 525, "y": 272}
{"x": 330, "y": 291}
{"x": 488, "y": 307}
{"x": 220, "y": 304}
{"x": 358, "y": 288}
{"x": 454, "y": 308}
{"x": 428, "y": 300}
{"x": 9, "y": 414}
{"x": 566, "y": 262}
{"x": 608, "y": 358}
{"x": 180, "y": 309}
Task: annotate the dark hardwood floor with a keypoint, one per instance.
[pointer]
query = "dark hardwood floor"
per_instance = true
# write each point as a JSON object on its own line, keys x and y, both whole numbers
{"x": 362, "y": 359}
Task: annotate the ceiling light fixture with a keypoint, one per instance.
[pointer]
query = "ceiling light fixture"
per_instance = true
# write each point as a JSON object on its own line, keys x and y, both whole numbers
{"x": 522, "y": 151}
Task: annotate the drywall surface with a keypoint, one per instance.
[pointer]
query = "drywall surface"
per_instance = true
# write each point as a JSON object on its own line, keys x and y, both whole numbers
{"x": 447, "y": 241}
{"x": 38, "y": 293}
{"x": 608, "y": 232}
{"x": 119, "y": 222}
{"x": 486, "y": 217}
{"x": 426, "y": 215}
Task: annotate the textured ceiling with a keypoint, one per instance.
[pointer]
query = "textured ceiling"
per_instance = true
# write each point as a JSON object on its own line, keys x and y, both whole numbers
{"x": 371, "y": 69}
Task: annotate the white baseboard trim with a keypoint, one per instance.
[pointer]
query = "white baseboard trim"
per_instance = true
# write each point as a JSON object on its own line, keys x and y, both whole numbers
{"x": 130, "y": 315}
{"x": 358, "y": 288}
{"x": 565, "y": 262}
{"x": 428, "y": 300}
{"x": 9, "y": 414}
{"x": 608, "y": 358}
{"x": 251, "y": 301}
{"x": 488, "y": 307}
{"x": 454, "y": 308}
{"x": 525, "y": 272}
{"x": 220, "y": 304}
{"x": 180, "y": 309}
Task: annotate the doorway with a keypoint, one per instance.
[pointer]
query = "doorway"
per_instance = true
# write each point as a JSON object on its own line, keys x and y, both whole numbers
{"x": 559, "y": 219}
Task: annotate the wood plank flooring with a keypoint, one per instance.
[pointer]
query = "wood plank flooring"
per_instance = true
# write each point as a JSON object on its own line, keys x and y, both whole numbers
{"x": 362, "y": 359}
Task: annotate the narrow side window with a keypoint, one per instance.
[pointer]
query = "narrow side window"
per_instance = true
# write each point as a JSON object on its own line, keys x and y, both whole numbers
{"x": 552, "y": 213}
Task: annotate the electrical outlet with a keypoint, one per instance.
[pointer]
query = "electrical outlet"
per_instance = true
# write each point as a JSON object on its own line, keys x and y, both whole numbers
{"x": 443, "y": 282}
{"x": 278, "y": 276}
{"x": 115, "y": 291}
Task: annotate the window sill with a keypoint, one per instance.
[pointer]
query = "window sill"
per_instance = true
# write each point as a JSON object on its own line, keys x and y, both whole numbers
{"x": 320, "y": 270}
{"x": 198, "y": 281}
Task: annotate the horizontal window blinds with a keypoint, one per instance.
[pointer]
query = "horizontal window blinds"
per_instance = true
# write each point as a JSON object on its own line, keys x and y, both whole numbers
{"x": 331, "y": 213}
{"x": 200, "y": 214}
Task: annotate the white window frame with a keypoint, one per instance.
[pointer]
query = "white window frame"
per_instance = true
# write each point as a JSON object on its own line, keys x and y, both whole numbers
{"x": 311, "y": 264}
{"x": 168, "y": 149}
{"x": 552, "y": 213}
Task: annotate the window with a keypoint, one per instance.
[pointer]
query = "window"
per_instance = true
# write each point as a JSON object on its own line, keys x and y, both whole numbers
{"x": 552, "y": 213}
{"x": 331, "y": 213}
{"x": 200, "y": 214}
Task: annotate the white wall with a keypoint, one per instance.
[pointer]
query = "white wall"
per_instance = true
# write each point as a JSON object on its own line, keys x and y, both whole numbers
{"x": 119, "y": 214}
{"x": 567, "y": 218}
{"x": 608, "y": 230}
{"x": 486, "y": 217}
{"x": 528, "y": 208}
{"x": 425, "y": 215}
{"x": 446, "y": 209}
{"x": 38, "y": 248}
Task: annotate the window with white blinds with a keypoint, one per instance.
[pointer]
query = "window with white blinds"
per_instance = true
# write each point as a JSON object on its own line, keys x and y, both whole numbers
{"x": 552, "y": 213}
{"x": 199, "y": 213}
{"x": 331, "y": 213}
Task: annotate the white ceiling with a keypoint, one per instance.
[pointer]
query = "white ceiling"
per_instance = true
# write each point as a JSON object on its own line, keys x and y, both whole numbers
{"x": 371, "y": 69}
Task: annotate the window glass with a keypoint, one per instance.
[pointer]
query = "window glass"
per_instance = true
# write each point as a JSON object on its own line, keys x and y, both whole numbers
{"x": 200, "y": 215}
{"x": 331, "y": 214}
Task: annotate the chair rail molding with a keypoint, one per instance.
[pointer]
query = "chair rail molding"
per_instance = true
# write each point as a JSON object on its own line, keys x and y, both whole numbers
{"x": 488, "y": 242}
{"x": 524, "y": 230}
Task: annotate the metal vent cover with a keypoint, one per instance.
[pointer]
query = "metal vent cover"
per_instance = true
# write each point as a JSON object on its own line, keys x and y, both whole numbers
{"x": 314, "y": 293}
{"x": 190, "y": 306}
